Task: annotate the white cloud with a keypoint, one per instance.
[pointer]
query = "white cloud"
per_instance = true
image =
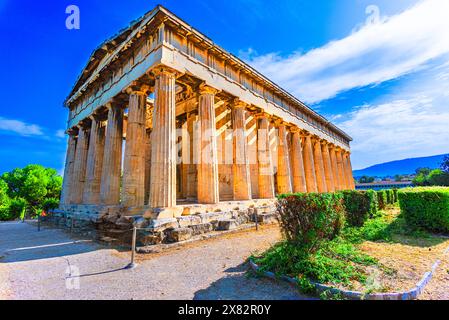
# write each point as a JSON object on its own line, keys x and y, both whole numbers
{"x": 20, "y": 128}
{"x": 60, "y": 133}
{"x": 412, "y": 123}
{"x": 395, "y": 46}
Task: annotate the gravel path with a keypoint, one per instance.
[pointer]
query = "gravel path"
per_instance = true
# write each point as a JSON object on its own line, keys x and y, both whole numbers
{"x": 46, "y": 265}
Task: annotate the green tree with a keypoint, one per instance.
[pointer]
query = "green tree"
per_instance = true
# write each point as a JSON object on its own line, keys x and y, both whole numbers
{"x": 424, "y": 171}
{"x": 4, "y": 201}
{"x": 35, "y": 184}
{"x": 366, "y": 179}
{"x": 438, "y": 177}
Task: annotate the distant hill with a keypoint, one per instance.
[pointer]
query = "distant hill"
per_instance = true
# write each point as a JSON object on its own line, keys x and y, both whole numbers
{"x": 407, "y": 166}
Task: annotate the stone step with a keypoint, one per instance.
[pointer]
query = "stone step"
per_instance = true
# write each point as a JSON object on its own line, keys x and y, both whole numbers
{"x": 227, "y": 224}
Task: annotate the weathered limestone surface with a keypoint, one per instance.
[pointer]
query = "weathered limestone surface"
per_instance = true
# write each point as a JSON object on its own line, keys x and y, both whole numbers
{"x": 327, "y": 167}
{"x": 163, "y": 152}
{"x": 335, "y": 169}
{"x": 242, "y": 138}
{"x": 299, "y": 177}
{"x": 94, "y": 162}
{"x": 112, "y": 160}
{"x": 309, "y": 164}
{"x": 284, "y": 170}
{"x": 242, "y": 182}
{"x": 319, "y": 166}
{"x": 266, "y": 178}
{"x": 341, "y": 170}
{"x": 79, "y": 168}
{"x": 68, "y": 170}
{"x": 133, "y": 190}
{"x": 208, "y": 168}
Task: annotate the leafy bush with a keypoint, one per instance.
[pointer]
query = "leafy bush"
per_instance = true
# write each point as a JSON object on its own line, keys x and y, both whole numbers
{"x": 359, "y": 206}
{"x": 426, "y": 207}
{"x": 307, "y": 219}
{"x": 395, "y": 195}
{"x": 50, "y": 204}
{"x": 17, "y": 208}
{"x": 4, "y": 201}
{"x": 390, "y": 196}
{"x": 382, "y": 199}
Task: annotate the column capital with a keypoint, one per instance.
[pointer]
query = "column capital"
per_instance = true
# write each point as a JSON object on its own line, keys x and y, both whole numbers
{"x": 206, "y": 89}
{"x": 237, "y": 103}
{"x": 72, "y": 131}
{"x": 138, "y": 88}
{"x": 159, "y": 70}
{"x": 261, "y": 115}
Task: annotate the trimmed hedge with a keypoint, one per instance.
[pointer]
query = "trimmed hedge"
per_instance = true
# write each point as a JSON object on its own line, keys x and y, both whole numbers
{"x": 395, "y": 196}
{"x": 426, "y": 207}
{"x": 382, "y": 199}
{"x": 310, "y": 218}
{"x": 390, "y": 197}
{"x": 359, "y": 206}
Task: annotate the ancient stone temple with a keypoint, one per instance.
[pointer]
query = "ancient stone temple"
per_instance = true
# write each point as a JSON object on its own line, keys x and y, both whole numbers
{"x": 164, "y": 124}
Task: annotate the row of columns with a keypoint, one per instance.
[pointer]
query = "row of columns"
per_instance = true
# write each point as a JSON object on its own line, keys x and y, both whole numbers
{"x": 93, "y": 164}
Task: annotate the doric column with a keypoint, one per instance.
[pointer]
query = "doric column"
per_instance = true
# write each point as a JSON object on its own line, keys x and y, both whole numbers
{"x": 341, "y": 170}
{"x": 147, "y": 164}
{"x": 112, "y": 159}
{"x": 94, "y": 161}
{"x": 240, "y": 168}
{"x": 189, "y": 156}
{"x": 163, "y": 150}
{"x": 266, "y": 179}
{"x": 333, "y": 156}
{"x": 319, "y": 166}
{"x": 68, "y": 169}
{"x": 309, "y": 164}
{"x": 79, "y": 169}
{"x": 284, "y": 168}
{"x": 299, "y": 177}
{"x": 208, "y": 189}
{"x": 327, "y": 166}
{"x": 348, "y": 165}
{"x": 133, "y": 189}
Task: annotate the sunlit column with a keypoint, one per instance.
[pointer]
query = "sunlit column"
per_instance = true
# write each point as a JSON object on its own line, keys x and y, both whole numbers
{"x": 309, "y": 164}
{"x": 327, "y": 164}
{"x": 284, "y": 169}
{"x": 266, "y": 178}
{"x": 299, "y": 177}
{"x": 68, "y": 170}
{"x": 79, "y": 169}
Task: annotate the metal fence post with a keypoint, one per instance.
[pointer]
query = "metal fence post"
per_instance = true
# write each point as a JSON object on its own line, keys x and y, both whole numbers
{"x": 132, "y": 265}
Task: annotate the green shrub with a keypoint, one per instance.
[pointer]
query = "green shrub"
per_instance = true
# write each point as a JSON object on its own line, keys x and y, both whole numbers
{"x": 390, "y": 196}
{"x": 50, "y": 204}
{"x": 17, "y": 208}
{"x": 359, "y": 206}
{"x": 382, "y": 199}
{"x": 426, "y": 207}
{"x": 395, "y": 195}
{"x": 309, "y": 218}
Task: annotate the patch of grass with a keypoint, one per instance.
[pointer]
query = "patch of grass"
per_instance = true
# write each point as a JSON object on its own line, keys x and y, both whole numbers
{"x": 336, "y": 262}
{"x": 339, "y": 261}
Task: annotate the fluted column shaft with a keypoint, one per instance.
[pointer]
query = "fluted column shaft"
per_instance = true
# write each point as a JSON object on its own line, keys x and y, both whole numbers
{"x": 350, "y": 178}
{"x": 341, "y": 170}
{"x": 299, "y": 177}
{"x": 284, "y": 168}
{"x": 327, "y": 167}
{"x": 133, "y": 190}
{"x": 208, "y": 188}
{"x": 309, "y": 165}
{"x": 68, "y": 170}
{"x": 163, "y": 148}
{"x": 240, "y": 168}
{"x": 266, "y": 179}
{"x": 79, "y": 169}
{"x": 112, "y": 159}
{"x": 335, "y": 169}
{"x": 94, "y": 162}
{"x": 147, "y": 164}
{"x": 319, "y": 166}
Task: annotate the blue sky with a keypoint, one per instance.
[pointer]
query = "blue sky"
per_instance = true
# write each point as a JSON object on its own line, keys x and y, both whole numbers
{"x": 380, "y": 72}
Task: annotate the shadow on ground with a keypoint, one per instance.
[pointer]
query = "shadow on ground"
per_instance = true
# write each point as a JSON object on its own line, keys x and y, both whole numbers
{"x": 22, "y": 242}
{"x": 239, "y": 284}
